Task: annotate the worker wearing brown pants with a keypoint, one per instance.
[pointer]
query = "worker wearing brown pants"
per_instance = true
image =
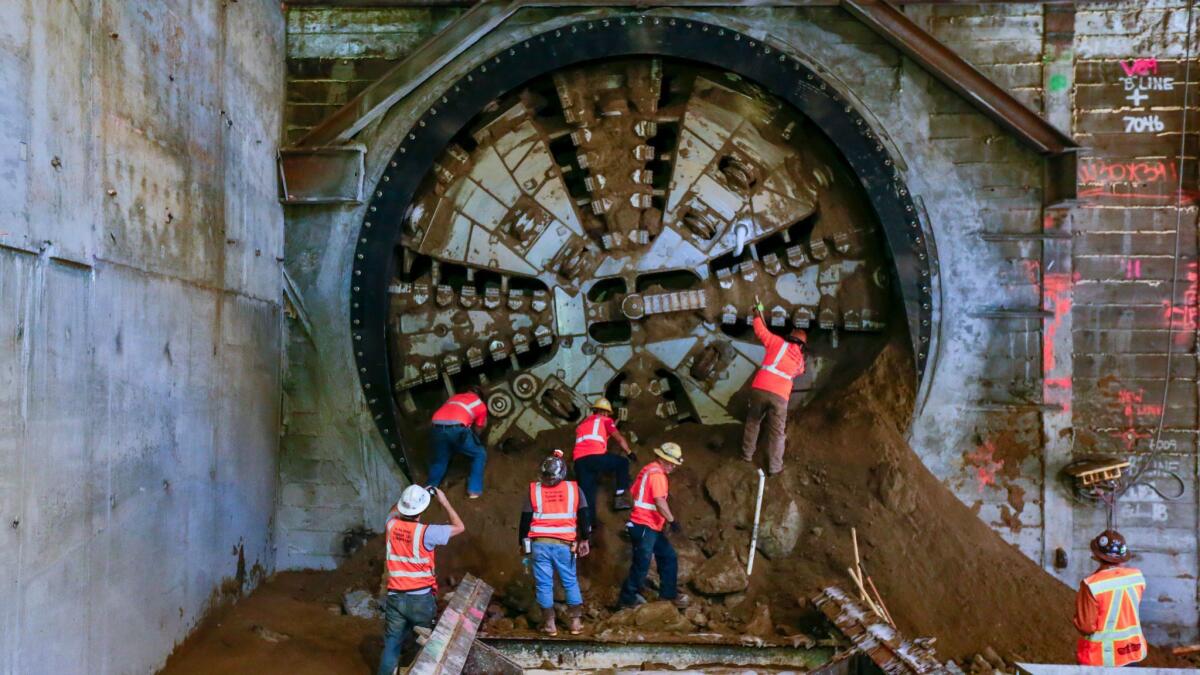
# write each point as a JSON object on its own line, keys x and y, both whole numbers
{"x": 772, "y": 385}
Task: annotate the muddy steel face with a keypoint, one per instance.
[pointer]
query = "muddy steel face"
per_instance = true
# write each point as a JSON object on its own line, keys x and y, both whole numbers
{"x": 607, "y": 230}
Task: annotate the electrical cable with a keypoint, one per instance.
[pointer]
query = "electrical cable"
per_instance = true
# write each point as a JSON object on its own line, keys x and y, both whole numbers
{"x": 1144, "y": 466}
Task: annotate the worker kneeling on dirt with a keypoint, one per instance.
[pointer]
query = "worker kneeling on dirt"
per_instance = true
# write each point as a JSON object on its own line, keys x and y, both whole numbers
{"x": 1106, "y": 607}
{"x": 770, "y": 390}
{"x": 554, "y": 530}
{"x": 411, "y": 577}
{"x": 453, "y": 432}
{"x": 592, "y": 459}
{"x": 650, "y": 515}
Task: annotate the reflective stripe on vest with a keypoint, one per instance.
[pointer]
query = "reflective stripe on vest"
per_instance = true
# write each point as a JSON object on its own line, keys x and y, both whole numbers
{"x": 773, "y": 366}
{"x": 639, "y": 500}
{"x": 469, "y": 407}
{"x": 1120, "y": 589}
{"x": 418, "y": 556}
{"x": 594, "y": 435}
{"x": 549, "y": 524}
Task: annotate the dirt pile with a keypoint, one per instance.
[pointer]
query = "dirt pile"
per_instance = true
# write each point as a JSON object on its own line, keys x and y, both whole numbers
{"x": 942, "y": 572}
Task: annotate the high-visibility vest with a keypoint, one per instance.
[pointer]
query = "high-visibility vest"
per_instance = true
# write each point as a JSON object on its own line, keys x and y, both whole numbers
{"x": 645, "y": 512}
{"x": 782, "y": 362}
{"x": 1117, "y": 590}
{"x": 554, "y": 510}
{"x": 409, "y": 565}
{"x": 591, "y": 437}
{"x": 460, "y": 409}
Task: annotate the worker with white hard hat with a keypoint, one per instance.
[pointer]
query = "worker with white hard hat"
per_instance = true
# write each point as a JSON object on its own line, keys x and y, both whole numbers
{"x": 650, "y": 515}
{"x": 411, "y": 576}
{"x": 592, "y": 458}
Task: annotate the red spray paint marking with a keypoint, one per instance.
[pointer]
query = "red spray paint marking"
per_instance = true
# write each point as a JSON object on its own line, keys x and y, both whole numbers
{"x": 1152, "y": 179}
{"x": 1133, "y": 407}
{"x": 1183, "y": 317}
{"x": 1133, "y": 269}
{"x": 1135, "y": 67}
{"x": 1056, "y": 298}
{"x": 986, "y": 466}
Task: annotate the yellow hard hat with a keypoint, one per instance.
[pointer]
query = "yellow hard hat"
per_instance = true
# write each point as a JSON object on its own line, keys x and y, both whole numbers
{"x": 670, "y": 452}
{"x": 602, "y": 404}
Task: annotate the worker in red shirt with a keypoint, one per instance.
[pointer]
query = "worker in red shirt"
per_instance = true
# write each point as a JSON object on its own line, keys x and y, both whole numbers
{"x": 454, "y": 426}
{"x": 410, "y": 564}
{"x": 1107, "y": 607}
{"x": 592, "y": 459}
{"x": 770, "y": 390}
{"x": 649, "y": 516}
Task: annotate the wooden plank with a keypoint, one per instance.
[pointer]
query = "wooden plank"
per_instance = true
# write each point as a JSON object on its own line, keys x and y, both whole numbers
{"x": 447, "y": 649}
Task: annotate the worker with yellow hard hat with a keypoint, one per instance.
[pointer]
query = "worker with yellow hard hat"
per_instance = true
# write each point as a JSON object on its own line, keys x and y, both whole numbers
{"x": 650, "y": 515}
{"x": 592, "y": 458}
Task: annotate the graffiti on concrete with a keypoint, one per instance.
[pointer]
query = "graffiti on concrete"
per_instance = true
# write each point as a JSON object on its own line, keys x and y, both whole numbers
{"x": 1182, "y": 316}
{"x": 1138, "y": 179}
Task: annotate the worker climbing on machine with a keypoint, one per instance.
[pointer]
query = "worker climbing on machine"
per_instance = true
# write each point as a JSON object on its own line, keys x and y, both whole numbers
{"x": 770, "y": 390}
{"x": 592, "y": 458}
{"x": 649, "y": 516}
{"x": 411, "y": 577}
{"x": 554, "y": 530}
{"x": 1107, "y": 610}
{"x": 454, "y": 431}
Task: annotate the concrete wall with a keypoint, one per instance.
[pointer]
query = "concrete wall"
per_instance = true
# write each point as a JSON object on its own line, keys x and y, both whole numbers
{"x": 1053, "y": 339}
{"x": 140, "y": 322}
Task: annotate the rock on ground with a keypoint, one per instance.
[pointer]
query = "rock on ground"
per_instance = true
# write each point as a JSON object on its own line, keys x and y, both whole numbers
{"x": 779, "y": 529}
{"x": 361, "y": 604}
{"x": 734, "y": 487}
{"x": 660, "y": 616}
{"x": 895, "y": 492}
{"x": 721, "y": 574}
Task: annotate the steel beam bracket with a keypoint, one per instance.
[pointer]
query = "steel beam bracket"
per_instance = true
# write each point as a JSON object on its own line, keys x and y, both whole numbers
{"x": 322, "y": 175}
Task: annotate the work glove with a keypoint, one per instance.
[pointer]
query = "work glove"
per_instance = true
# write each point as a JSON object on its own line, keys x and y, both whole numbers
{"x": 676, "y": 528}
{"x": 760, "y": 308}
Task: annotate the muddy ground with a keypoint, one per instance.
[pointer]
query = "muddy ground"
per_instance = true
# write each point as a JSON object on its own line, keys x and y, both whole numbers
{"x": 942, "y": 572}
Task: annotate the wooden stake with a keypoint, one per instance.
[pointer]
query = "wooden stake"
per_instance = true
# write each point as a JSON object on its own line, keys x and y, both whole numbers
{"x": 887, "y": 616}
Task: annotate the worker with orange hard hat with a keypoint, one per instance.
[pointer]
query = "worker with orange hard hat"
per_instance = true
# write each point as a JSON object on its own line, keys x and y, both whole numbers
{"x": 1107, "y": 611}
{"x": 770, "y": 390}
{"x": 592, "y": 458}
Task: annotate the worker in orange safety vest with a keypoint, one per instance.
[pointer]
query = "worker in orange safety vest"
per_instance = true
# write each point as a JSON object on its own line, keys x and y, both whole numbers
{"x": 650, "y": 515}
{"x": 782, "y": 362}
{"x": 553, "y": 531}
{"x": 1107, "y": 607}
{"x": 411, "y": 576}
{"x": 592, "y": 458}
{"x": 454, "y": 431}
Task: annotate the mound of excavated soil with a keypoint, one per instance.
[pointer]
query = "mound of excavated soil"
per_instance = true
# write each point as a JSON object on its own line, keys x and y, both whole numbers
{"x": 942, "y": 572}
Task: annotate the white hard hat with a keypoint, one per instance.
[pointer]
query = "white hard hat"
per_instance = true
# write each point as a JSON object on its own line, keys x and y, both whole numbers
{"x": 413, "y": 501}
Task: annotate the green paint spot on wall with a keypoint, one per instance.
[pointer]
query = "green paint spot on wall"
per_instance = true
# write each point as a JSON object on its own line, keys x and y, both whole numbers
{"x": 1059, "y": 82}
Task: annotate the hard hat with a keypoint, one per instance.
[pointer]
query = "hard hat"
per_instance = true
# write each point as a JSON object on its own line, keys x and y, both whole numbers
{"x": 798, "y": 335}
{"x": 413, "y": 501}
{"x": 602, "y": 404}
{"x": 670, "y": 452}
{"x": 554, "y": 469}
{"x": 1109, "y": 546}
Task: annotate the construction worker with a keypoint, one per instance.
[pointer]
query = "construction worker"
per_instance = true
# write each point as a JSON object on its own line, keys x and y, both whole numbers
{"x": 454, "y": 430}
{"x": 1107, "y": 607}
{"x": 411, "y": 577}
{"x": 649, "y": 516}
{"x": 554, "y": 529}
{"x": 592, "y": 459}
{"x": 770, "y": 390}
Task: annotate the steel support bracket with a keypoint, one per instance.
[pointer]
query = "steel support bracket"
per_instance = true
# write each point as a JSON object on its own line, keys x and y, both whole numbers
{"x": 322, "y": 175}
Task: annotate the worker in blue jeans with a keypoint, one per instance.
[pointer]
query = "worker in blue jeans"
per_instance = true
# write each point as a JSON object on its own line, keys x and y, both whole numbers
{"x": 409, "y": 562}
{"x": 455, "y": 427}
{"x": 651, "y": 515}
{"x": 554, "y": 529}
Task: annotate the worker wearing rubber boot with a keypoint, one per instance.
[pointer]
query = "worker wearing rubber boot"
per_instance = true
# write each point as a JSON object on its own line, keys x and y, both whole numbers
{"x": 554, "y": 530}
{"x": 770, "y": 390}
{"x": 593, "y": 460}
{"x": 650, "y": 515}
{"x": 411, "y": 577}
{"x": 1107, "y": 607}
{"x": 454, "y": 431}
